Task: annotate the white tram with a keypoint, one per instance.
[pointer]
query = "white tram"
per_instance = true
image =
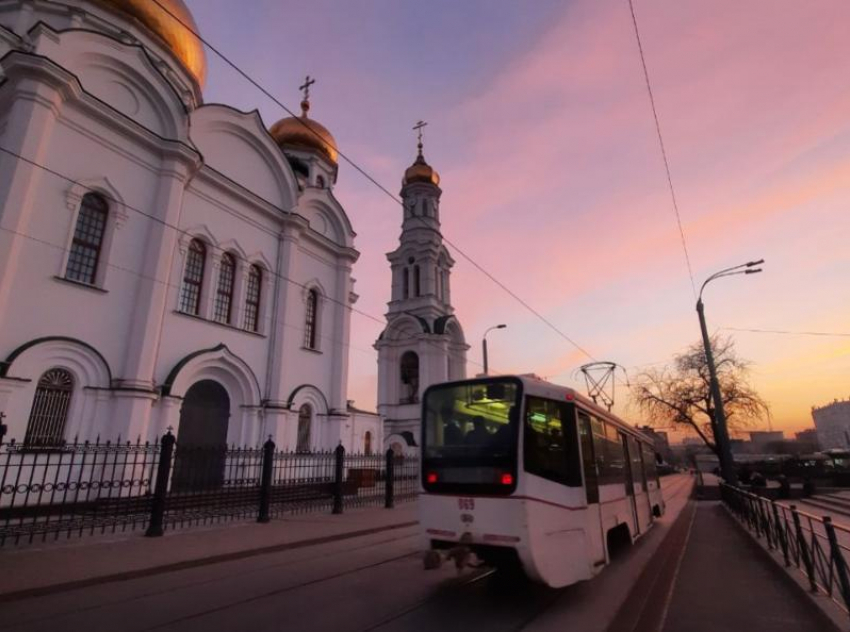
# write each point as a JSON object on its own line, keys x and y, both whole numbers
{"x": 519, "y": 470}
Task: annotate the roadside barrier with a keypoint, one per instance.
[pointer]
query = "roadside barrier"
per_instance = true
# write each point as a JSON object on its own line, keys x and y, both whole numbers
{"x": 813, "y": 544}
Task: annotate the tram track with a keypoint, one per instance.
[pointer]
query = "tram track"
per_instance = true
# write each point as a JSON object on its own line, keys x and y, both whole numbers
{"x": 547, "y": 598}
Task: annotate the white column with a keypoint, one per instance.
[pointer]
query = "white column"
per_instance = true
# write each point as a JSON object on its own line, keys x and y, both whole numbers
{"x": 32, "y": 115}
{"x": 287, "y": 292}
{"x": 340, "y": 337}
{"x": 152, "y": 295}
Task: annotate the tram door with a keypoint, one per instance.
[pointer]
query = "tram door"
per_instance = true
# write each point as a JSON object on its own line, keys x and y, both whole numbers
{"x": 591, "y": 486}
{"x": 630, "y": 482}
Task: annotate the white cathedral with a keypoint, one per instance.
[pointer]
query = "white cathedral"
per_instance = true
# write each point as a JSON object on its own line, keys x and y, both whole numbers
{"x": 166, "y": 263}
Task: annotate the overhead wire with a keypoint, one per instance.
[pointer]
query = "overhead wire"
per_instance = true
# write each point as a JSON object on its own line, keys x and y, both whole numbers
{"x": 663, "y": 149}
{"x": 788, "y": 333}
{"x": 371, "y": 179}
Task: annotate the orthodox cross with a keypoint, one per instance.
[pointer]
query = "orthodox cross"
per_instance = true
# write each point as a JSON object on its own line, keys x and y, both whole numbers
{"x": 306, "y": 87}
{"x": 418, "y": 127}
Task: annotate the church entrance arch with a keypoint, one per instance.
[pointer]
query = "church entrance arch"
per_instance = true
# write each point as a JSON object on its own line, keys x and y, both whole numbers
{"x": 202, "y": 437}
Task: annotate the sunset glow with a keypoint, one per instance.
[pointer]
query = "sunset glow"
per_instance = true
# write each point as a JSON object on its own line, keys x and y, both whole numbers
{"x": 541, "y": 129}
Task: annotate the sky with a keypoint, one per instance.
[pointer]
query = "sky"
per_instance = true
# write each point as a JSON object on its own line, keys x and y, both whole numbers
{"x": 540, "y": 125}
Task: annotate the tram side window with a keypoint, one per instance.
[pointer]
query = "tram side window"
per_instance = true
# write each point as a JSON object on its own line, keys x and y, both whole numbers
{"x": 637, "y": 466}
{"x": 649, "y": 463}
{"x": 591, "y": 481}
{"x": 610, "y": 458}
{"x": 551, "y": 442}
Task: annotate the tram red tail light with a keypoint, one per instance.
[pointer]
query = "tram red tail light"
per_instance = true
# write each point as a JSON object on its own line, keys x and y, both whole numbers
{"x": 507, "y": 479}
{"x": 431, "y": 477}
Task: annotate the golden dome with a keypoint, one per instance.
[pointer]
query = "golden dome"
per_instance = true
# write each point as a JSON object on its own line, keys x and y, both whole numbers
{"x": 294, "y": 132}
{"x": 421, "y": 171}
{"x": 185, "y": 46}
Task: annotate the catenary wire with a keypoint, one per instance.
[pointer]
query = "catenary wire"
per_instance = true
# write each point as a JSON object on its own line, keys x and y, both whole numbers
{"x": 788, "y": 333}
{"x": 663, "y": 150}
{"x": 371, "y": 179}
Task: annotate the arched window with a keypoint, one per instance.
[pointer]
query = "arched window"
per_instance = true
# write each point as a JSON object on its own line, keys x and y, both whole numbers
{"x": 46, "y": 425}
{"x": 439, "y": 288}
{"x": 252, "y": 298}
{"x": 311, "y": 319}
{"x": 367, "y": 444}
{"x": 193, "y": 277}
{"x": 405, "y": 283}
{"x": 409, "y": 378}
{"x": 417, "y": 287}
{"x": 320, "y": 182}
{"x": 305, "y": 417}
{"x": 224, "y": 292}
{"x": 84, "y": 256}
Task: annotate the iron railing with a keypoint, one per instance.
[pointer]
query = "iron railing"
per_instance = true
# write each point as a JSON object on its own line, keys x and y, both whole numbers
{"x": 82, "y": 488}
{"x": 813, "y": 544}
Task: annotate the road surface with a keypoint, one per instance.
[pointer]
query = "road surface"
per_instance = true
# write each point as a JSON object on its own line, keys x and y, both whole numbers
{"x": 369, "y": 583}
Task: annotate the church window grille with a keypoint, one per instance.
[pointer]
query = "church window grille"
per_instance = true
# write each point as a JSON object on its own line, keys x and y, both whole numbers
{"x": 416, "y": 281}
{"x": 367, "y": 444}
{"x": 305, "y": 417}
{"x": 252, "y": 299}
{"x": 46, "y": 425}
{"x": 405, "y": 282}
{"x": 312, "y": 319}
{"x": 409, "y": 378}
{"x": 193, "y": 278}
{"x": 84, "y": 257}
{"x": 224, "y": 292}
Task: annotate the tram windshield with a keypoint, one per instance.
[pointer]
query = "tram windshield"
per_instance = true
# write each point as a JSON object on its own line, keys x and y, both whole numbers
{"x": 470, "y": 433}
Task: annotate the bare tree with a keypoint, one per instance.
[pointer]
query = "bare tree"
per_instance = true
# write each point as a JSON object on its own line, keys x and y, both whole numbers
{"x": 681, "y": 395}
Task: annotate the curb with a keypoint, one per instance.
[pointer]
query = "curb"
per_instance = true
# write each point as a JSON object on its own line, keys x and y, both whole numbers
{"x": 50, "y": 589}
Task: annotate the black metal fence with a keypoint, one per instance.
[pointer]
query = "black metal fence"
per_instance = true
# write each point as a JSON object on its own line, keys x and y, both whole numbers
{"x": 103, "y": 487}
{"x": 813, "y": 544}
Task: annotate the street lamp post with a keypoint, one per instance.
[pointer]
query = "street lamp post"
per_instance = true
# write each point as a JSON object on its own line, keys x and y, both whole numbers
{"x": 484, "y": 344}
{"x": 718, "y": 423}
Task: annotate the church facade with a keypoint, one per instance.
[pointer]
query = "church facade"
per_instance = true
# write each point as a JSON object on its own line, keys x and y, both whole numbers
{"x": 423, "y": 342}
{"x": 164, "y": 262}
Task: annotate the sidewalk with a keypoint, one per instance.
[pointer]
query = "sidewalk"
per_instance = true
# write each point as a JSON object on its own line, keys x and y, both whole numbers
{"x": 55, "y": 567}
{"x": 712, "y": 577}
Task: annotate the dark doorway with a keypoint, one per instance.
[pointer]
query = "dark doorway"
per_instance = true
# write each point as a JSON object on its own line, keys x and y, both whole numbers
{"x": 202, "y": 438}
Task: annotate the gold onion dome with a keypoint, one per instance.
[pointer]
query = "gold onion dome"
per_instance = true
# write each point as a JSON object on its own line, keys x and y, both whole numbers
{"x": 421, "y": 171}
{"x": 165, "y": 23}
{"x": 301, "y": 132}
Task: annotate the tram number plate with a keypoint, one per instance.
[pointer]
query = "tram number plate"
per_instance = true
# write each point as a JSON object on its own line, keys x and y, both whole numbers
{"x": 466, "y": 504}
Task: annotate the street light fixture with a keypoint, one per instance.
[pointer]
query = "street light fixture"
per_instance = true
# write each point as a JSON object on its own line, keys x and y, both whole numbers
{"x": 718, "y": 422}
{"x": 484, "y": 344}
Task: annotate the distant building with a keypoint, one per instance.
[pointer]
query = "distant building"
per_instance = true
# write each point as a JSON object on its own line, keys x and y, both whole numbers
{"x": 807, "y": 440}
{"x": 765, "y": 441}
{"x": 832, "y": 423}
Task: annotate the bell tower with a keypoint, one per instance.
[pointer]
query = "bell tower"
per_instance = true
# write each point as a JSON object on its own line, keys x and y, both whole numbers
{"x": 423, "y": 342}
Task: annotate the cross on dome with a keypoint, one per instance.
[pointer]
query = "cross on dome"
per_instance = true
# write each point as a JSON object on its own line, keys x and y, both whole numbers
{"x": 305, "y": 87}
{"x": 418, "y": 127}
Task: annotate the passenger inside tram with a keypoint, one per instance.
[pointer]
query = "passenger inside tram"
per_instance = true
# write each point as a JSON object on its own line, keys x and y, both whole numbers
{"x": 479, "y": 435}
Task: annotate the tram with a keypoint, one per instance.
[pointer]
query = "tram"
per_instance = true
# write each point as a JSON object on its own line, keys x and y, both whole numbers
{"x": 525, "y": 473}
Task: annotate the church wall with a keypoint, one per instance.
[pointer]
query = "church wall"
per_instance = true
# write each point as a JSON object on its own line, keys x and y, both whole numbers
{"x": 103, "y": 144}
{"x": 87, "y": 313}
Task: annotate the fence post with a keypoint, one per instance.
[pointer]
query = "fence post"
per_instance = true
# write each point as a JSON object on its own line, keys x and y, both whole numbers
{"x": 804, "y": 551}
{"x": 780, "y": 533}
{"x": 838, "y": 559}
{"x": 266, "y": 481}
{"x": 389, "y": 483}
{"x": 339, "y": 468}
{"x": 163, "y": 472}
